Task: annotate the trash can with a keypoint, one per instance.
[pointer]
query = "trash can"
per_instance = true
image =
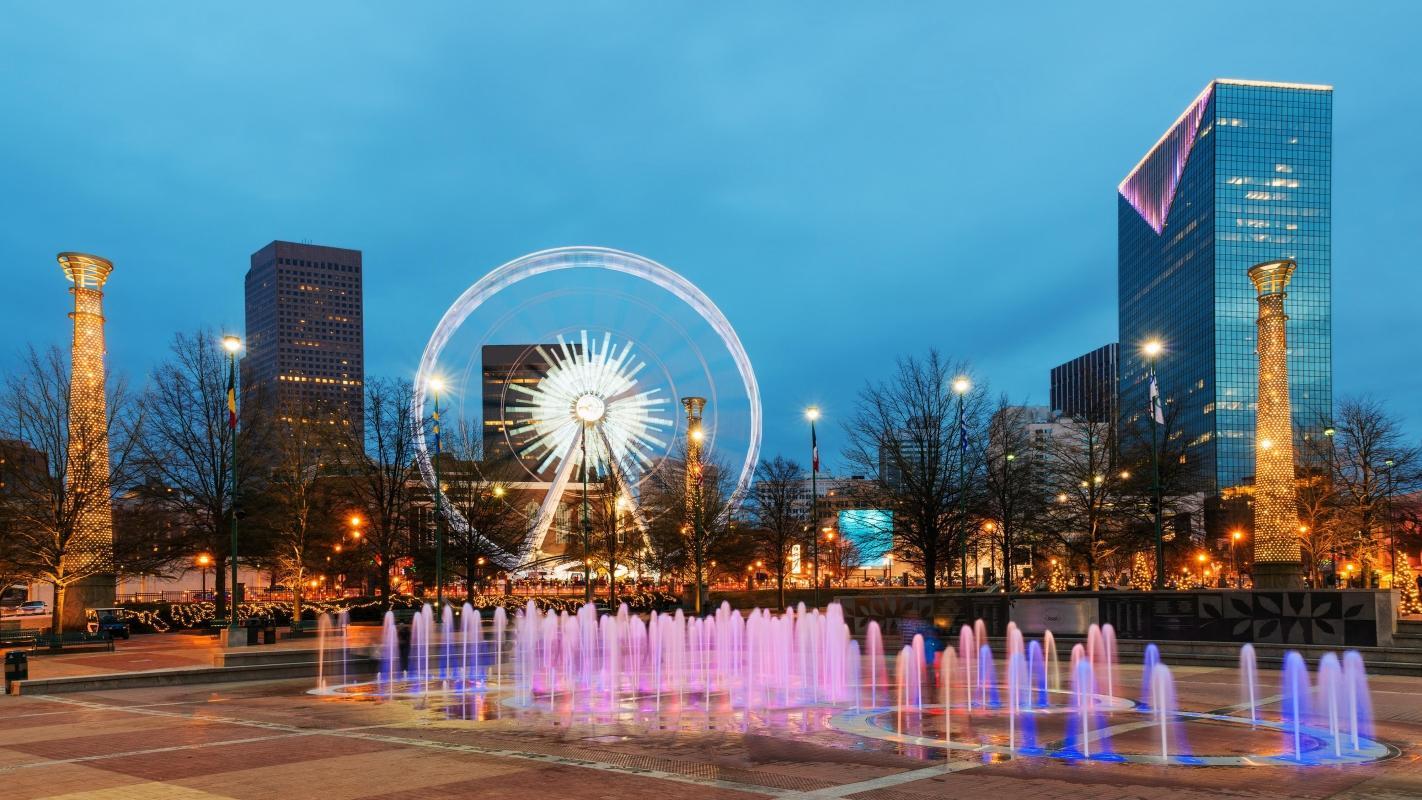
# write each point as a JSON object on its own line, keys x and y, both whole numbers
{"x": 17, "y": 668}
{"x": 254, "y": 630}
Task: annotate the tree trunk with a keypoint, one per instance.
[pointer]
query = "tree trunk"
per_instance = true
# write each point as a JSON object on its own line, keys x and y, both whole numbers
{"x": 930, "y": 572}
{"x": 384, "y": 580}
{"x": 780, "y": 583}
{"x": 296, "y": 600}
{"x": 56, "y": 620}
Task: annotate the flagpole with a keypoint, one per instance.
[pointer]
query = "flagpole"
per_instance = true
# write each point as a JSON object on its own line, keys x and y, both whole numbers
{"x": 1152, "y": 349}
{"x": 813, "y": 413}
{"x": 232, "y": 344}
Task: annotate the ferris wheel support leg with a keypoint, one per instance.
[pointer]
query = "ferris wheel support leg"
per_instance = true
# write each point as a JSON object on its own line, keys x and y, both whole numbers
{"x": 547, "y": 511}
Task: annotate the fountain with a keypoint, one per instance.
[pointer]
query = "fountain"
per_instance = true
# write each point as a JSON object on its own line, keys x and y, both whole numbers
{"x": 1149, "y": 662}
{"x": 801, "y": 670}
{"x": 1164, "y": 710}
{"x": 1295, "y": 701}
{"x": 1249, "y": 682}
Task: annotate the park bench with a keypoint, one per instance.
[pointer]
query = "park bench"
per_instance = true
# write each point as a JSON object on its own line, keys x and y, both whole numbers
{"x": 18, "y": 637}
{"x": 308, "y": 627}
{"x": 73, "y": 640}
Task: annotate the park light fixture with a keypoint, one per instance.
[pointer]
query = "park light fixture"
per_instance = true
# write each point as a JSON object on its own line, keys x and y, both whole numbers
{"x": 1330, "y": 431}
{"x": 1152, "y": 348}
{"x": 231, "y": 343}
{"x": 961, "y": 384}
{"x": 1237, "y": 535}
{"x": 355, "y": 520}
{"x": 499, "y": 491}
{"x": 203, "y": 559}
{"x": 812, "y": 413}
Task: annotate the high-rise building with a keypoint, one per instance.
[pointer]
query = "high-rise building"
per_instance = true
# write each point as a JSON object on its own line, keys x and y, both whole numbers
{"x": 305, "y": 332}
{"x": 1244, "y": 176}
{"x": 1085, "y": 387}
{"x": 503, "y": 366}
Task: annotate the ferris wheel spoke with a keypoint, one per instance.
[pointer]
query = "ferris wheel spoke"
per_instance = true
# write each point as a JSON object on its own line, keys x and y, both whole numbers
{"x": 547, "y": 511}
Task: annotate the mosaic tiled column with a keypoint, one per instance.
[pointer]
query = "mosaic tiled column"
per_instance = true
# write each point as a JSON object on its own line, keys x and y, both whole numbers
{"x": 1277, "y": 558}
{"x": 91, "y": 548}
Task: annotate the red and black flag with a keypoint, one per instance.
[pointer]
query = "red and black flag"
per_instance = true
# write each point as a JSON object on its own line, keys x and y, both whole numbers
{"x": 232, "y": 400}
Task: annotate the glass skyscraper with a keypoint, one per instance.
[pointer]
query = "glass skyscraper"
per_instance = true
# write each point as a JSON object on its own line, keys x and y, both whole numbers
{"x": 1242, "y": 177}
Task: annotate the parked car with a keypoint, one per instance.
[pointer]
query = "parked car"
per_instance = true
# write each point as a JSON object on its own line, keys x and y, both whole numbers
{"x": 34, "y": 607}
{"x": 113, "y": 626}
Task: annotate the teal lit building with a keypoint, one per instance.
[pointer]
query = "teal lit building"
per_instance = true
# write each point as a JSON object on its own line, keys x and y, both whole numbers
{"x": 1242, "y": 177}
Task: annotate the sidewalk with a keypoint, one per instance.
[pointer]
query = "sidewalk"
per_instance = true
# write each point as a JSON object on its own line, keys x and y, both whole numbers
{"x": 154, "y": 651}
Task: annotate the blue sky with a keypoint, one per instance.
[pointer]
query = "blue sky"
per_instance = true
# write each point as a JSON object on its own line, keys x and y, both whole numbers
{"x": 848, "y": 181}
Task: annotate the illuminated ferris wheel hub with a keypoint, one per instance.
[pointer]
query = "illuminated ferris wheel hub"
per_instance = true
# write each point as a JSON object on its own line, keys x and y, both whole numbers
{"x": 589, "y": 408}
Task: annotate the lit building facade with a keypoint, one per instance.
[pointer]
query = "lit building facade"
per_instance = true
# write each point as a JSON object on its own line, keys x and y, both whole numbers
{"x": 502, "y": 367}
{"x": 1085, "y": 387}
{"x": 305, "y": 334}
{"x": 1244, "y": 176}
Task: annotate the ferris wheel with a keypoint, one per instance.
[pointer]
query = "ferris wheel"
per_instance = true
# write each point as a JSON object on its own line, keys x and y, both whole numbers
{"x": 605, "y": 346}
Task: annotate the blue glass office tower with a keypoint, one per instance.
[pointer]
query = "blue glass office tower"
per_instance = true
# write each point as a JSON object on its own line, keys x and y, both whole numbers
{"x": 1242, "y": 177}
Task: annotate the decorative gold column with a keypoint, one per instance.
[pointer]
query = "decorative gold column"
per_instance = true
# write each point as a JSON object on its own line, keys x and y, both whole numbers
{"x": 1277, "y": 558}
{"x": 91, "y": 548}
{"x": 694, "y": 435}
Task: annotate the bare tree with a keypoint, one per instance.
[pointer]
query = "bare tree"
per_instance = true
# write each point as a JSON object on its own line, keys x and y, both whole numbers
{"x": 298, "y": 508}
{"x": 1370, "y": 463}
{"x": 698, "y": 497}
{"x": 905, "y": 434}
{"x": 188, "y": 445}
{"x": 1013, "y": 481}
{"x": 46, "y": 500}
{"x": 382, "y": 472}
{"x": 773, "y": 505}
{"x": 1085, "y": 514}
{"x": 478, "y": 488}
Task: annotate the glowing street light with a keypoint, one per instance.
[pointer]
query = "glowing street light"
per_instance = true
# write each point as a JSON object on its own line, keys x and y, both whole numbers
{"x": 1235, "y": 538}
{"x": 232, "y": 345}
{"x": 961, "y": 387}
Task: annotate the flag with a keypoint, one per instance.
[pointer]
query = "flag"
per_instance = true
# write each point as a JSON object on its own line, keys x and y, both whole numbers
{"x": 962, "y": 434}
{"x": 436, "y": 430}
{"x": 814, "y": 451}
{"x": 232, "y": 399}
{"x": 1156, "y": 411}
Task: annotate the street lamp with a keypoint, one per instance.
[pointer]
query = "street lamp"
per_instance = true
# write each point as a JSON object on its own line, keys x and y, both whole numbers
{"x": 436, "y": 385}
{"x": 232, "y": 345}
{"x": 961, "y": 387}
{"x": 203, "y": 561}
{"x": 1234, "y": 556}
{"x": 1202, "y": 559}
{"x": 590, "y": 409}
{"x": 1391, "y": 534}
{"x": 1152, "y": 350}
{"x": 812, "y": 414}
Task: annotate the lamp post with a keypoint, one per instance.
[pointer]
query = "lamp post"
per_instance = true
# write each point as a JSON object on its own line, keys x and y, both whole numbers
{"x": 1391, "y": 537}
{"x": 813, "y": 413}
{"x": 436, "y": 385}
{"x": 1234, "y": 558}
{"x": 587, "y": 522}
{"x": 1007, "y": 460}
{"x": 834, "y": 553}
{"x": 203, "y": 560}
{"x": 1202, "y": 559}
{"x": 961, "y": 387}
{"x": 232, "y": 345}
{"x": 1152, "y": 350}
